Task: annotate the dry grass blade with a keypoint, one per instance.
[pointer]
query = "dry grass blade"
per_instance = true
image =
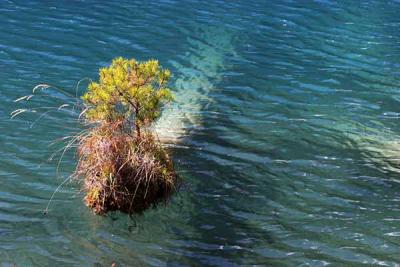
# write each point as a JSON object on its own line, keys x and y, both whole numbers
{"x": 17, "y": 112}
{"x": 122, "y": 172}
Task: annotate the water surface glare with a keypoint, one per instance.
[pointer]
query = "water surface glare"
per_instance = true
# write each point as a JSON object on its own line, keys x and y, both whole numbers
{"x": 287, "y": 117}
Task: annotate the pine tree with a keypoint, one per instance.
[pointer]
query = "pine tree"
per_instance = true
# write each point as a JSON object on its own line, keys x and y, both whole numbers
{"x": 128, "y": 90}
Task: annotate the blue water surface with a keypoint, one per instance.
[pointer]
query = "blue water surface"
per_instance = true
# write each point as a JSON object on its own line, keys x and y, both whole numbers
{"x": 285, "y": 130}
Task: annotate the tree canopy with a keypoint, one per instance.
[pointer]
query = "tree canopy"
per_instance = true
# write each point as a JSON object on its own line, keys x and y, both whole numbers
{"x": 129, "y": 90}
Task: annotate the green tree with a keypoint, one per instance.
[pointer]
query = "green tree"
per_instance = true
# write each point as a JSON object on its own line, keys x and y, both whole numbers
{"x": 128, "y": 90}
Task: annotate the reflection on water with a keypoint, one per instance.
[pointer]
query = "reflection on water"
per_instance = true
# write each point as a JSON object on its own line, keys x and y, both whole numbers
{"x": 195, "y": 79}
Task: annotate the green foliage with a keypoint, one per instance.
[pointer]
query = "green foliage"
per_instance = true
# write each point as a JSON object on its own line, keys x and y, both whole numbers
{"x": 129, "y": 90}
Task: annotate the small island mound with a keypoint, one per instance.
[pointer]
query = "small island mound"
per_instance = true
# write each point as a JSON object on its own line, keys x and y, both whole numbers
{"x": 123, "y": 163}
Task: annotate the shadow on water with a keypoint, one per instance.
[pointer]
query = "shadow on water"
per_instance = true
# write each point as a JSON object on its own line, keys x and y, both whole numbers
{"x": 219, "y": 227}
{"x": 221, "y": 203}
{"x": 285, "y": 140}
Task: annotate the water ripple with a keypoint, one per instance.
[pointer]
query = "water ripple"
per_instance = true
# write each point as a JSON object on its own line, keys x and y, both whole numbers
{"x": 285, "y": 130}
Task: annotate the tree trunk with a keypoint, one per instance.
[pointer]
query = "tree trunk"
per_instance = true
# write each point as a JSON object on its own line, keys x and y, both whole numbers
{"x": 136, "y": 120}
{"x": 137, "y": 130}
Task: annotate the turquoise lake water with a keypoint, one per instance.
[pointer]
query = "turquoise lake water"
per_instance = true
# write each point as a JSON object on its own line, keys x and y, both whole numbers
{"x": 285, "y": 129}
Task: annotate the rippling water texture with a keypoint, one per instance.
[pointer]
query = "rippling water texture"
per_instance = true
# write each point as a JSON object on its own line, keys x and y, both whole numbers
{"x": 286, "y": 130}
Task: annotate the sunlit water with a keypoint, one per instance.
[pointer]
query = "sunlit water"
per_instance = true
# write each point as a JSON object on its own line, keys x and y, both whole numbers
{"x": 285, "y": 129}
